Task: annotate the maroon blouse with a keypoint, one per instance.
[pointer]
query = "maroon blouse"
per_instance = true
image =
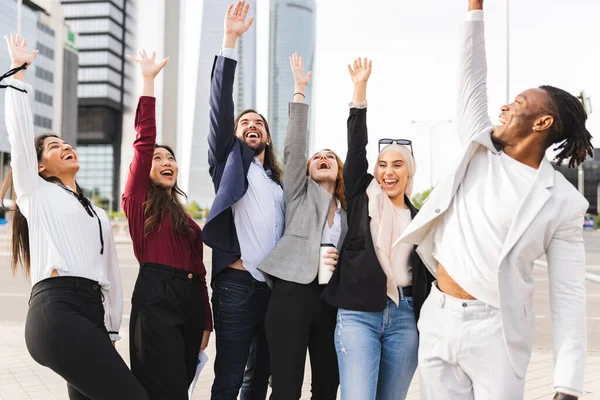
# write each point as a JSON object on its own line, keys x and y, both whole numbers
{"x": 162, "y": 245}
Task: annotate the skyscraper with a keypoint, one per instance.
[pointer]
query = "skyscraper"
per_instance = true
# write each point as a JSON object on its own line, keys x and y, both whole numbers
{"x": 107, "y": 30}
{"x": 293, "y": 29}
{"x": 194, "y": 165}
{"x": 54, "y": 108}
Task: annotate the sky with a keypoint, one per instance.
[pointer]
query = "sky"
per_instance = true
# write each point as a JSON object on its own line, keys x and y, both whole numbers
{"x": 414, "y": 47}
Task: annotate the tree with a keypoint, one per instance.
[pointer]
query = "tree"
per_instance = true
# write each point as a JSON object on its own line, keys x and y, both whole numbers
{"x": 418, "y": 199}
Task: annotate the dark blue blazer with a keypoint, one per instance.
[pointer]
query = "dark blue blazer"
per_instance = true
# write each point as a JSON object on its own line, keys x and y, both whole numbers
{"x": 229, "y": 160}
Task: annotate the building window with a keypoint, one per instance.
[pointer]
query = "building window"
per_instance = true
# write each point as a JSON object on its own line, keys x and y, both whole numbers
{"x": 43, "y": 98}
{"x": 45, "y": 51}
{"x": 44, "y": 74}
{"x": 45, "y": 28}
{"x": 96, "y": 171}
{"x": 42, "y": 122}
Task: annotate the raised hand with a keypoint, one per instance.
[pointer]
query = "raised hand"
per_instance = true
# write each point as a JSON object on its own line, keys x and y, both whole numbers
{"x": 235, "y": 19}
{"x": 148, "y": 65}
{"x": 300, "y": 78}
{"x": 475, "y": 5}
{"x": 18, "y": 51}
{"x": 360, "y": 71}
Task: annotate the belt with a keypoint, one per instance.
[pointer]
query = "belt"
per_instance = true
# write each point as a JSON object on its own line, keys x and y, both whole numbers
{"x": 407, "y": 291}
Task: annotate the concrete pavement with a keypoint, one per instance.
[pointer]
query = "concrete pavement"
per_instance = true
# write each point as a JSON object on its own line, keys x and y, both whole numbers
{"x": 22, "y": 378}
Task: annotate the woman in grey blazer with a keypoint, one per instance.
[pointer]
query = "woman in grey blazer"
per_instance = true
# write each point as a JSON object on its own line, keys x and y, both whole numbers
{"x": 297, "y": 319}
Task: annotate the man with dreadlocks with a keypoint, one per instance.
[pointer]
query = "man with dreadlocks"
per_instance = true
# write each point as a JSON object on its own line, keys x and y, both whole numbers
{"x": 481, "y": 230}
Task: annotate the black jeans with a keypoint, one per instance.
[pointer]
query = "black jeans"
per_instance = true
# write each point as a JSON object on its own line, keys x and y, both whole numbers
{"x": 65, "y": 332}
{"x": 239, "y": 304}
{"x": 297, "y": 320}
{"x": 165, "y": 330}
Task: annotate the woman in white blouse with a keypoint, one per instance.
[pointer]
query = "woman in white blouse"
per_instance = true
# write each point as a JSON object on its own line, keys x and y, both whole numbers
{"x": 65, "y": 246}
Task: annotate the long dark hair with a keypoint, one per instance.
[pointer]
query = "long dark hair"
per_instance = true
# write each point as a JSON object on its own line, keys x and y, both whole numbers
{"x": 20, "y": 229}
{"x": 159, "y": 202}
{"x": 270, "y": 162}
{"x": 569, "y": 127}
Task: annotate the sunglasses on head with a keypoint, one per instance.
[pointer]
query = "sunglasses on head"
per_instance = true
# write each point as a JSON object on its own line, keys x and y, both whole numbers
{"x": 401, "y": 142}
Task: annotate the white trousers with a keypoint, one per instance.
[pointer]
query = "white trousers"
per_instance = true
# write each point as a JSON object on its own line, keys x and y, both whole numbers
{"x": 462, "y": 354}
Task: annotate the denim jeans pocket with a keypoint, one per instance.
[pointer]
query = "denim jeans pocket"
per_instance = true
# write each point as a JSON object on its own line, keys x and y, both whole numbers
{"x": 232, "y": 294}
{"x": 409, "y": 303}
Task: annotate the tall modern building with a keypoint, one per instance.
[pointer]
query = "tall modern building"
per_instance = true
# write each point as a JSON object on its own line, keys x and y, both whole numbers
{"x": 293, "y": 29}
{"x": 107, "y": 32}
{"x": 194, "y": 166}
{"x": 54, "y": 100}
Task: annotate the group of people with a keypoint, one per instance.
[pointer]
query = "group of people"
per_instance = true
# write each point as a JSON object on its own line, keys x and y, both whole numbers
{"x": 448, "y": 288}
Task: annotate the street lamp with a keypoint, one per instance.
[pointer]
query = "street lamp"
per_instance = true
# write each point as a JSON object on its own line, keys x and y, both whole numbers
{"x": 431, "y": 127}
{"x": 508, "y": 52}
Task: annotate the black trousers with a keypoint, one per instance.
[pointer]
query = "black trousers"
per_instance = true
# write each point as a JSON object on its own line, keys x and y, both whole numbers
{"x": 65, "y": 332}
{"x": 165, "y": 331}
{"x": 297, "y": 320}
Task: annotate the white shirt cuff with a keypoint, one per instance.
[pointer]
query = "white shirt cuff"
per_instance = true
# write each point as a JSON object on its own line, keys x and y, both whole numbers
{"x": 474, "y": 15}
{"x": 18, "y": 84}
{"x": 568, "y": 391}
{"x": 360, "y": 106}
{"x": 228, "y": 52}
{"x": 114, "y": 337}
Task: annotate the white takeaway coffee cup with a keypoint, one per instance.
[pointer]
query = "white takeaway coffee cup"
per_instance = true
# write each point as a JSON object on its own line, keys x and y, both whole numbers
{"x": 325, "y": 272}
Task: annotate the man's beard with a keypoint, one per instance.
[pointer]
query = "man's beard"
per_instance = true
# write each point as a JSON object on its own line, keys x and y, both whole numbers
{"x": 259, "y": 148}
{"x": 499, "y": 144}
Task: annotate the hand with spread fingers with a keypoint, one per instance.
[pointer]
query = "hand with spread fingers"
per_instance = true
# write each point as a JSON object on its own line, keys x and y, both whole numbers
{"x": 149, "y": 68}
{"x": 19, "y": 55}
{"x": 235, "y": 24}
{"x": 301, "y": 80}
{"x": 360, "y": 71}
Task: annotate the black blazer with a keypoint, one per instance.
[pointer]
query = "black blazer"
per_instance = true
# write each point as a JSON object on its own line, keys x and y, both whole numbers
{"x": 359, "y": 282}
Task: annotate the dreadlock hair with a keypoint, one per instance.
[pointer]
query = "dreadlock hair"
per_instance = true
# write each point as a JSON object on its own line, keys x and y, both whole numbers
{"x": 270, "y": 162}
{"x": 568, "y": 128}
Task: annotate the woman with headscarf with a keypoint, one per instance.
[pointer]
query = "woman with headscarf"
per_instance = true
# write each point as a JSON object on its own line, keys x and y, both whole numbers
{"x": 380, "y": 283}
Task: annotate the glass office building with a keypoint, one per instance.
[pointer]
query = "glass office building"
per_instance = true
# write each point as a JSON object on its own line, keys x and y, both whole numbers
{"x": 106, "y": 33}
{"x": 293, "y": 29}
{"x": 591, "y": 177}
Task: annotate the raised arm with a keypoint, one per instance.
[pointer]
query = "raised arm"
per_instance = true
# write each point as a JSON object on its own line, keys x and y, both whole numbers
{"x": 472, "y": 104}
{"x": 221, "y": 134}
{"x": 19, "y": 121}
{"x": 294, "y": 173}
{"x": 356, "y": 165}
{"x": 145, "y": 126}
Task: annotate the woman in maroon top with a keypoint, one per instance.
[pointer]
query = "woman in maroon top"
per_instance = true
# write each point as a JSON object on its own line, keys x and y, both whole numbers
{"x": 170, "y": 316}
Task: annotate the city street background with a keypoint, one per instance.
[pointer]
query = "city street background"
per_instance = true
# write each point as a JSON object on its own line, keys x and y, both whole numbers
{"x": 22, "y": 378}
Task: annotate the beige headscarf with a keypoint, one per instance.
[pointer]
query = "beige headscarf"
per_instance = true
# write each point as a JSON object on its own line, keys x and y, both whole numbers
{"x": 385, "y": 224}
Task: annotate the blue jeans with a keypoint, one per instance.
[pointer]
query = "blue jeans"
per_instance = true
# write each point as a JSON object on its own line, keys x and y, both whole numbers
{"x": 239, "y": 306}
{"x": 377, "y": 351}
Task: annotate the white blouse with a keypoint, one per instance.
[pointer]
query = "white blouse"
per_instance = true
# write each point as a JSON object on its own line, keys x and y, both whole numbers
{"x": 62, "y": 235}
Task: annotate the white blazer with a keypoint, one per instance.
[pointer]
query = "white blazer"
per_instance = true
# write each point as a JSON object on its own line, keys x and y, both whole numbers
{"x": 549, "y": 222}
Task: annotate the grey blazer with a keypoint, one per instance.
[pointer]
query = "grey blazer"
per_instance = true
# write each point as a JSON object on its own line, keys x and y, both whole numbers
{"x": 296, "y": 256}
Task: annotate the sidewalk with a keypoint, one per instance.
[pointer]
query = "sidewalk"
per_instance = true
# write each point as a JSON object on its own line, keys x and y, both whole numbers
{"x": 21, "y": 378}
